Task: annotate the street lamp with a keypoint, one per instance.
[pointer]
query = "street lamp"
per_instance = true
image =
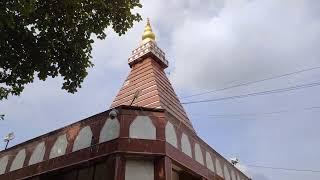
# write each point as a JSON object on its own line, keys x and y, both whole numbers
{"x": 8, "y": 138}
{"x": 234, "y": 161}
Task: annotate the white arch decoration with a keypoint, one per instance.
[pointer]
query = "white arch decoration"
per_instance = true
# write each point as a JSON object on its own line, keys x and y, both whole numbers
{"x": 83, "y": 140}
{"x": 142, "y": 128}
{"x": 209, "y": 161}
{"x": 219, "y": 168}
{"x": 198, "y": 153}
{"x": 18, "y": 161}
{"x": 233, "y": 175}
{"x": 59, "y": 147}
{"x": 37, "y": 154}
{"x": 185, "y": 145}
{"x": 110, "y": 130}
{"x": 226, "y": 173}
{"x": 171, "y": 136}
{"x": 3, "y": 164}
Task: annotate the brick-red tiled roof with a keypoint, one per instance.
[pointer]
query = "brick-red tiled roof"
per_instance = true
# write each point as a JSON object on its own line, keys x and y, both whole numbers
{"x": 156, "y": 91}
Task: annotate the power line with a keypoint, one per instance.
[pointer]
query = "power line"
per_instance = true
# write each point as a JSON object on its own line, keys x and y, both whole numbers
{"x": 228, "y": 118}
{"x": 281, "y": 168}
{"x": 261, "y": 114}
{"x": 251, "y": 82}
{"x": 302, "y": 86}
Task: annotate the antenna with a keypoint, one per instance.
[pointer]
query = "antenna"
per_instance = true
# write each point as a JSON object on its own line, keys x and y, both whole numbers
{"x": 135, "y": 96}
{"x": 8, "y": 138}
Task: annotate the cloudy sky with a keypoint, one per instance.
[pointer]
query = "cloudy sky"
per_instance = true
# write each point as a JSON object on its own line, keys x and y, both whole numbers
{"x": 210, "y": 44}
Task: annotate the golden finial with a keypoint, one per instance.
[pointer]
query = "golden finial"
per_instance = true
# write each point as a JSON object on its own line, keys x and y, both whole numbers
{"x": 148, "y": 35}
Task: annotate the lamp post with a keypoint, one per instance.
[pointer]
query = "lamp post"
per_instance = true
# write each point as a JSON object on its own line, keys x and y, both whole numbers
{"x": 8, "y": 138}
{"x": 234, "y": 161}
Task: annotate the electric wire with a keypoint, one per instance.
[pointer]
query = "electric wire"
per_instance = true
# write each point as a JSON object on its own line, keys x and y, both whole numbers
{"x": 259, "y": 114}
{"x": 251, "y": 82}
{"x": 292, "y": 88}
{"x": 282, "y": 168}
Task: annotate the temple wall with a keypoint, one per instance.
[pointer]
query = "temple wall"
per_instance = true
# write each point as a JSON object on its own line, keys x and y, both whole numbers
{"x": 139, "y": 170}
{"x": 175, "y": 175}
{"x": 133, "y": 131}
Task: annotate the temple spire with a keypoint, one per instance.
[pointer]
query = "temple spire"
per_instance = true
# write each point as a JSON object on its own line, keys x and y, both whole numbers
{"x": 148, "y": 35}
{"x": 147, "y": 84}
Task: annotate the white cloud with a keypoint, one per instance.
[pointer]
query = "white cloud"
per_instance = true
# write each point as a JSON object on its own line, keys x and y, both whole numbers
{"x": 245, "y": 40}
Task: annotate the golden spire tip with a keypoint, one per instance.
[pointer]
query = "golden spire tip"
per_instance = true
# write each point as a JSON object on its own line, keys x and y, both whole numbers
{"x": 148, "y": 35}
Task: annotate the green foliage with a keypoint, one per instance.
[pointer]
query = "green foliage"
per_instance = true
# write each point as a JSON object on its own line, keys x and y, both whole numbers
{"x": 47, "y": 38}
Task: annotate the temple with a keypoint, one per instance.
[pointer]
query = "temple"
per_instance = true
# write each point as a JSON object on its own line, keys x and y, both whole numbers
{"x": 145, "y": 135}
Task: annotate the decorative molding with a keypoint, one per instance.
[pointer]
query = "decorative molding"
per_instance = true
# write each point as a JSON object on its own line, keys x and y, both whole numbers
{"x": 149, "y": 47}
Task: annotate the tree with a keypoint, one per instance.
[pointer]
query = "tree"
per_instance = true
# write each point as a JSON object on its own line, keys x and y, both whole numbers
{"x": 50, "y": 38}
